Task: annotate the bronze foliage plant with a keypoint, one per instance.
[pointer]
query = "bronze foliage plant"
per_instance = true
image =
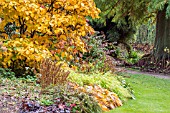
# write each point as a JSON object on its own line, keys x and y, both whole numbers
{"x": 51, "y": 74}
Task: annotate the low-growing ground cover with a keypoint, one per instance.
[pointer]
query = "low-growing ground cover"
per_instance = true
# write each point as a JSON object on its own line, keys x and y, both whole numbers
{"x": 152, "y": 95}
{"x": 80, "y": 93}
{"x": 26, "y": 96}
{"x": 107, "y": 80}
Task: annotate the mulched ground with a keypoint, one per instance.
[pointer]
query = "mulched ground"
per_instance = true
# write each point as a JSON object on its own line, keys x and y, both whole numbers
{"x": 9, "y": 104}
{"x": 17, "y": 96}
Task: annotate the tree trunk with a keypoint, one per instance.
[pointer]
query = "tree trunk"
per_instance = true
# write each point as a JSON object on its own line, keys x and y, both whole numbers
{"x": 162, "y": 40}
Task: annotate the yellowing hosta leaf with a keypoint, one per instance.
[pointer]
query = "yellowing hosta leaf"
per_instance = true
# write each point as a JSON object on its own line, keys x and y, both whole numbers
{"x": 53, "y": 58}
{"x": 102, "y": 96}
{"x": 63, "y": 54}
{"x": 70, "y": 57}
{"x": 104, "y": 108}
{"x": 57, "y": 58}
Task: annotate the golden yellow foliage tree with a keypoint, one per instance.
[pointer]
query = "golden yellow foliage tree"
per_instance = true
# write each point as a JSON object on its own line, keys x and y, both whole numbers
{"x": 57, "y": 24}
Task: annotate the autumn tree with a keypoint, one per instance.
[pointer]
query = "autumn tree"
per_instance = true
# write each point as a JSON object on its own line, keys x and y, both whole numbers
{"x": 56, "y": 24}
{"x": 38, "y": 29}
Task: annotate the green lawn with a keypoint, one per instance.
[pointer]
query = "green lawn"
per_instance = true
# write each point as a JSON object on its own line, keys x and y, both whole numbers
{"x": 152, "y": 95}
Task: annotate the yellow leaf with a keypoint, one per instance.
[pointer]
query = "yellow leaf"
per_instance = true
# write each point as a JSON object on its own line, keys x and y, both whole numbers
{"x": 57, "y": 58}
{"x": 53, "y": 58}
{"x": 32, "y": 50}
{"x": 27, "y": 18}
{"x": 83, "y": 33}
{"x": 63, "y": 37}
{"x": 104, "y": 108}
{"x": 63, "y": 54}
{"x": 9, "y": 62}
{"x": 36, "y": 42}
{"x": 27, "y": 52}
{"x": 70, "y": 57}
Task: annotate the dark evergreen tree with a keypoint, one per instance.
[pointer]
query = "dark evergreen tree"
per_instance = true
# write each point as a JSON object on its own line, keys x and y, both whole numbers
{"x": 119, "y": 19}
{"x": 131, "y": 13}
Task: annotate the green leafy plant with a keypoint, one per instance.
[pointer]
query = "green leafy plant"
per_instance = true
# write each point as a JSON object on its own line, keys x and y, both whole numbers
{"x": 95, "y": 49}
{"x": 107, "y": 80}
{"x": 94, "y": 58}
{"x": 7, "y": 73}
{"x": 133, "y": 58}
{"x": 81, "y": 102}
{"x": 46, "y": 102}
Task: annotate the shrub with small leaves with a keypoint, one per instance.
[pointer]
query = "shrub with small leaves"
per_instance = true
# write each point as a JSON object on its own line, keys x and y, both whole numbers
{"x": 94, "y": 58}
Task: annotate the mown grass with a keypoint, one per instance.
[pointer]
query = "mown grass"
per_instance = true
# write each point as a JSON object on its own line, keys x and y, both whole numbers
{"x": 152, "y": 95}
